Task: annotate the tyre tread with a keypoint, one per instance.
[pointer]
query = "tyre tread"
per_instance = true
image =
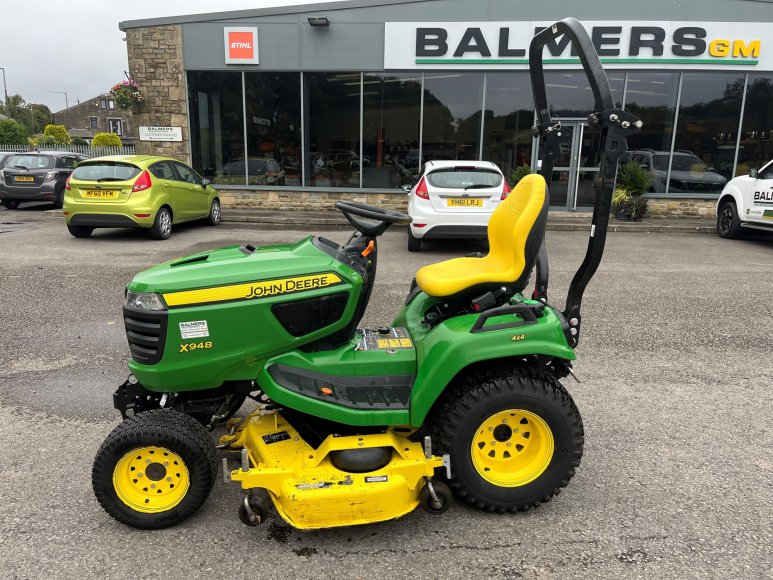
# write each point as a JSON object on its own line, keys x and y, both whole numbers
{"x": 478, "y": 386}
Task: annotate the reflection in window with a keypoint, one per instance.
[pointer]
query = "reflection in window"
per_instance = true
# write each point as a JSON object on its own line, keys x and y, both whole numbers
{"x": 392, "y": 107}
{"x": 217, "y": 125}
{"x": 652, "y": 98}
{"x": 508, "y": 119}
{"x": 756, "y": 146}
{"x": 706, "y": 132}
{"x": 273, "y": 128}
{"x": 569, "y": 93}
{"x": 333, "y": 125}
{"x": 452, "y": 115}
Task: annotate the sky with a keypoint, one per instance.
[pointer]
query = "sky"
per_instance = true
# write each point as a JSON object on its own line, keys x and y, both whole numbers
{"x": 75, "y": 46}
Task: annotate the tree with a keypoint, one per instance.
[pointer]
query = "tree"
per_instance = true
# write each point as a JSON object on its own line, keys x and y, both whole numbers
{"x": 12, "y": 133}
{"x": 32, "y": 116}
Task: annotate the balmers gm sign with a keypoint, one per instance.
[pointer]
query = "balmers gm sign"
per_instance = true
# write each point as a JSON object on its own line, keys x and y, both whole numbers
{"x": 241, "y": 45}
{"x": 626, "y": 44}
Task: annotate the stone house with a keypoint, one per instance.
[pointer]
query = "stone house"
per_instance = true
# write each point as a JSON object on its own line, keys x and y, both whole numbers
{"x": 97, "y": 115}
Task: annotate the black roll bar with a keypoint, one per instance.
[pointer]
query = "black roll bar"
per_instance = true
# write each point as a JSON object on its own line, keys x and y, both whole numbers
{"x": 615, "y": 125}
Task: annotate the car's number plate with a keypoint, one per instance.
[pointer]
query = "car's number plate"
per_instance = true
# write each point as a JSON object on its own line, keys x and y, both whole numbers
{"x": 465, "y": 202}
{"x": 24, "y": 178}
{"x": 101, "y": 193}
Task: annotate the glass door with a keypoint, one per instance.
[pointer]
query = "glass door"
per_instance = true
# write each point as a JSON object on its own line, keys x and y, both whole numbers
{"x": 576, "y": 168}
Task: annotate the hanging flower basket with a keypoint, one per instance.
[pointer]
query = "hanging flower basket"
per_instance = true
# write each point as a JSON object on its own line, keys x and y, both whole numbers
{"x": 126, "y": 94}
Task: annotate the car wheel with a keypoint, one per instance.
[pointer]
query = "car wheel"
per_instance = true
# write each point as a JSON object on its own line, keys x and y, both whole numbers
{"x": 11, "y": 203}
{"x": 214, "y": 213}
{"x": 728, "y": 222}
{"x": 162, "y": 225}
{"x": 414, "y": 243}
{"x": 79, "y": 231}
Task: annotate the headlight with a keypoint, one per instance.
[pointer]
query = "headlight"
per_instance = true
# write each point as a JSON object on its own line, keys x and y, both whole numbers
{"x": 144, "y": 301}
{"x": 50, "y": 175}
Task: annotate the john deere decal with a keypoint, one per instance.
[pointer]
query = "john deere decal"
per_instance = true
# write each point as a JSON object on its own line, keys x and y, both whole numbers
{"x": 251, "y": 290}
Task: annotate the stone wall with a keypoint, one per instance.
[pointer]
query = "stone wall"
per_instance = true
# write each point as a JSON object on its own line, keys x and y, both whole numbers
{"x": 682, "y": 208}
{"x": 307, "y": 200}
{"x": 324, "y": 201}
{"x": 156, "y": 63}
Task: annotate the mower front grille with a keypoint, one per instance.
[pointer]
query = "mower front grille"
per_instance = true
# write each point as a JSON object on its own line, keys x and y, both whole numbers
{"x": 146, "y": 333}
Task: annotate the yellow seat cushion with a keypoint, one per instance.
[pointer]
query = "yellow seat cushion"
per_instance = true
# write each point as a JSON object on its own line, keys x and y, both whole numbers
{"x": 508, "y": 232}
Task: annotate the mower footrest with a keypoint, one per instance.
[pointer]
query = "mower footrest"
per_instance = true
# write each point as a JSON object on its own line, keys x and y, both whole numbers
{"x": 365, "y": 392}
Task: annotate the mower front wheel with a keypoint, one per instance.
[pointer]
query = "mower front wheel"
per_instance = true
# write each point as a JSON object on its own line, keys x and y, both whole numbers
{"x": 515, "y": 438}
{"x": 155, "y": 469}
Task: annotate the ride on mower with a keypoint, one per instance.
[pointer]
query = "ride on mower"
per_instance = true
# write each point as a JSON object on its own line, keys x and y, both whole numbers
{"x": 459, "y": 395}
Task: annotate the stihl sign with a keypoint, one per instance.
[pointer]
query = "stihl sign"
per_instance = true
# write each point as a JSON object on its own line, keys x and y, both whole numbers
{"x": 241, "y": 45}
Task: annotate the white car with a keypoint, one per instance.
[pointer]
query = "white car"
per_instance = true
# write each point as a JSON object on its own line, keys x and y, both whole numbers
{"x": 746, "y": 202}
{"x": 453, "y": 200}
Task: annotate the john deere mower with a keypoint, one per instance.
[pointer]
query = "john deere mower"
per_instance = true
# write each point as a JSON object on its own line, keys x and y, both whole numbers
{"x": 459, "y": 396}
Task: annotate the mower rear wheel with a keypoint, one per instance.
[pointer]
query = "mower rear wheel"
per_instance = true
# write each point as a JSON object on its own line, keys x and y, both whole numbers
{"x": 155, "y": 469}
{"x": 515, "y": 438}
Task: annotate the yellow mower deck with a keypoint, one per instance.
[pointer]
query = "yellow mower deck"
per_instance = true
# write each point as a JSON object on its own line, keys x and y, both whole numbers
{"x": 309, "y": 492}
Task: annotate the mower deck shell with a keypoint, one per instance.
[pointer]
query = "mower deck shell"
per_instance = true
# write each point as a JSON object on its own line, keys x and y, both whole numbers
{"x": 310, "y": 493}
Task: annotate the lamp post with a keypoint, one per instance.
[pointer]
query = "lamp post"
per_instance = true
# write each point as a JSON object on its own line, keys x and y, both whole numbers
{"x": 32, "y": 117}
{"x": 66, "y": 100}
{"x": 5, "y": 90}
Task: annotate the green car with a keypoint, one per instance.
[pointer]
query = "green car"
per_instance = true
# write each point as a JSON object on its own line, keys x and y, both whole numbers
{"x": 137, "y": 191}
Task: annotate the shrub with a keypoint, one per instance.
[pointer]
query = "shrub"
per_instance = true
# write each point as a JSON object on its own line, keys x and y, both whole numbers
{"x": 44, "y": 141}
{"x": 79, "y": 141}
{"x": 58, "y": 133}
{"x": 106, "y": 140}
{"x": 518, "y": 173}
{"x": 12, "y": 133}
{"x": 628, "y": 200}
{"x": 634, "y": 178}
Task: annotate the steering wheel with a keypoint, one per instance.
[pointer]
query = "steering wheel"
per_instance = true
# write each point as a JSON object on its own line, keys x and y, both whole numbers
{"x": 382, "y": 217}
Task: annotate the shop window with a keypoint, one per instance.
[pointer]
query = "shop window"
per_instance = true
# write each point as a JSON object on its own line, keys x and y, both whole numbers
{"x": 332, "y": 122}
{"x": 652, "y": 98}
{"x": 392, "y": 112}
{"x": 706, "y": 132}
{"x": 756, "y": 145}
{"x": 217, "y": 126}
{"x": 508, "y": 119}
{"x": 569, "y": 94}
{"x": 273, "y": 128}
{"x": 452, "y": 114}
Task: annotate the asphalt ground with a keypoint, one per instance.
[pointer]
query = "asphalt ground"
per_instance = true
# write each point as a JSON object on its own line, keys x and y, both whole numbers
{"x": 675, "y": 395}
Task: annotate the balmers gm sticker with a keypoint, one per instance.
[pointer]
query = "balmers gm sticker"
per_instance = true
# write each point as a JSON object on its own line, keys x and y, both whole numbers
{"x": 251, "y": 290}
{"x": 194, "y": 329}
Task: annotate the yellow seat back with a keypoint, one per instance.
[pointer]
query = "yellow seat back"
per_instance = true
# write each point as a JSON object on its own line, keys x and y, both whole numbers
{"x": 515, "y": 232}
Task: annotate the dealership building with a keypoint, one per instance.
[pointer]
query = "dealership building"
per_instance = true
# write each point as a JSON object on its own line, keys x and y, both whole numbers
{"x": 295, "y": 107}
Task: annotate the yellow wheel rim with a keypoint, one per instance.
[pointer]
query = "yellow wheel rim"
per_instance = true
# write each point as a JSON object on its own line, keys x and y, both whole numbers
{"x": 151, "y": 479}
{"x": 512, "y": 448}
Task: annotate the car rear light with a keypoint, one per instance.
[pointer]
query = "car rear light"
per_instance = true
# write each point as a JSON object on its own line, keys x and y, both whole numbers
{"x": 66, "y": 212}
{"x": 67, "y": 183}
{"x": 143, "y": 182}
{"x": 141, "y": 215}
{"x": 421, "y": 189}
{"x": 418, "y": 225}
{"x": 505, "y": 191}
